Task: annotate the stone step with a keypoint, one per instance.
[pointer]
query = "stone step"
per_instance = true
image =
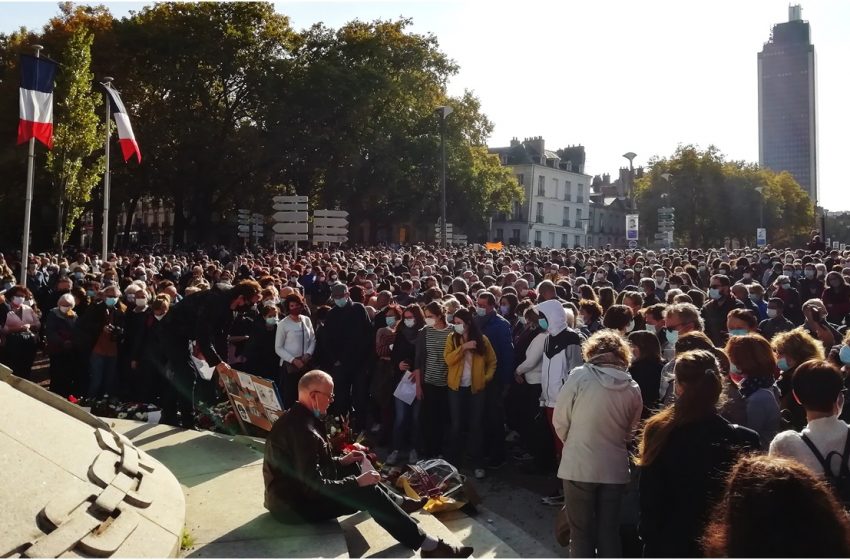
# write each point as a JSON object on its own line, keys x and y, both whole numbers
{"x": 222, "y": 481}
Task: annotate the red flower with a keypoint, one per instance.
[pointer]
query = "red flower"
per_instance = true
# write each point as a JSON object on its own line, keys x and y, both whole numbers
{"x": 73, "y": 399}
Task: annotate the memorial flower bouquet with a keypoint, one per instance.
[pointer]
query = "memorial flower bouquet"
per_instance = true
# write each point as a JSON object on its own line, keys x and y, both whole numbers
{"x": 219, "y": 418}
{"x": 342, "y": 439}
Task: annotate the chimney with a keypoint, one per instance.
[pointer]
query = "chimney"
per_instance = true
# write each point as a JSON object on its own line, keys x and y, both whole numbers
{"x": 795, "y": 12}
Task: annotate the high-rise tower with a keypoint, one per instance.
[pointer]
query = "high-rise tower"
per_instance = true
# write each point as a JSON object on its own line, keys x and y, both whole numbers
{"x": 786, "y": 97}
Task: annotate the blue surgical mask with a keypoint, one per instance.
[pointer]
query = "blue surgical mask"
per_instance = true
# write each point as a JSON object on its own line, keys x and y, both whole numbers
{"x": 450, "y": 317}
{"x": 844, "y": 354}
{"x": 316, "y": 412}
{"x": 810, "y": 274}
{"x": 714, "y": 293}
{"x": 782, "y": 364}
{"x": 672, "y": 336}
{"x": 650, "y": 329}
{"x": 737, "y": 332}
{"x": 544, "y": 324}
{"x": 480, "y": 311}
{"x": 340, "y": 302}
{"x": 111, "y": 301}
{"x": 271, "y": 320}
{"x": 390, "y": 321}
{"x": 734, "y": 369}
{"x": 755, "y": 298}
{"x": 504, "y": 309}
{"x": 90, "y": 293}
{"x": 409, "y": 323}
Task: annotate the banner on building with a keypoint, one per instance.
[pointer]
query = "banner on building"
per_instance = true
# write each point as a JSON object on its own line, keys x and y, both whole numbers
{"x": 631, "y": 227}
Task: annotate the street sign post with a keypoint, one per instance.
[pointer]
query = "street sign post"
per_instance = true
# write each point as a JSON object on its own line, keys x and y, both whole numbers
{"x": 330, "y": 226}
{"x": 291, "y": 219}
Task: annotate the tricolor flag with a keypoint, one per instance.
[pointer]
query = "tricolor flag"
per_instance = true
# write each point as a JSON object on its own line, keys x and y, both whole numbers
{"x": 126, "y": 138}
{"x": 36, "y": 95}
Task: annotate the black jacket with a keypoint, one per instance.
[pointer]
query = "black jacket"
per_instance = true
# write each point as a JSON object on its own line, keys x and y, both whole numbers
{"x": 678, "y": 489}
{"x": 350, "y": 339}
{"x": 299, "y": 469}
{"x": 647, "y": 374}
{"x": 714, "y": 314}
{"x": 203, "y": 317}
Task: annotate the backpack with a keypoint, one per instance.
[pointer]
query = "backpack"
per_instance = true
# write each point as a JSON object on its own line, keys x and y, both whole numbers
{"x": 840, "y": 483}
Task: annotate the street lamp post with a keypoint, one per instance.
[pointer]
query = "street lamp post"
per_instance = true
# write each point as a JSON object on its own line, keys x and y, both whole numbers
{"x": 668, "y": 177}
{"x": 443, "y": 111}
{"x": 631, "y": 156}
{"x": 25, "y": 252}
{"x": 760, "y": 190}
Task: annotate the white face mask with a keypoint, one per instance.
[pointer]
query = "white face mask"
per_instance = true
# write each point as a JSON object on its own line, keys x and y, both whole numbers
{"x": 409, "y": 323}
{"x": 141, "y": 302}
{"x": 430, "y": 321}
{"x": 458, "y": 328}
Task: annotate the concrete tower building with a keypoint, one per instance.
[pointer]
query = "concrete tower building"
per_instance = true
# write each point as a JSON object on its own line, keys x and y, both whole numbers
{"x": 786, "y": 101}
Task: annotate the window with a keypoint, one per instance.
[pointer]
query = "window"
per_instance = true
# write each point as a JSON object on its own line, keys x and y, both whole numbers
{"x": 580, "y": 193}
{"x": 516, "y": 211}
{"x": 539, "y": 212}
{"x": 578, "y": 217}
{"x": 537, "y": 239}
{"x": 566, "y": 216}
{"x": 564, "y": 240}
{"x": 555, "y": 188}
{"x": 520, "y": 179}
{"x": 516, "y": 236}
{"x": 551, "y": 239}
{"x": 500, "y": 233}
{"x": 541, "y": 186}
{"x": 568, "y": 191}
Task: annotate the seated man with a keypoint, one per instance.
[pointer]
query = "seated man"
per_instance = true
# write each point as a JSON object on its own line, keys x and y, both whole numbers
{"x": 304, "y": 482}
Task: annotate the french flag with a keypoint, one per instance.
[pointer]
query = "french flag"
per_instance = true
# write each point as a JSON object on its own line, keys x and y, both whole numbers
{"x": 126, "y": 138}
{"x": 36, "y": 96}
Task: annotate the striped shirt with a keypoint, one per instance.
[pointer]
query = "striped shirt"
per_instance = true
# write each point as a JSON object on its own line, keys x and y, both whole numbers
{"x": 430, "y": 346}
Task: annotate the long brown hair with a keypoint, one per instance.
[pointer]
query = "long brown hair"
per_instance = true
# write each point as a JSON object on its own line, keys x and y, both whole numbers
{"x": 472, "y": 331}
{"x": 698, "y": 374}
{"x": 776, "y": 508}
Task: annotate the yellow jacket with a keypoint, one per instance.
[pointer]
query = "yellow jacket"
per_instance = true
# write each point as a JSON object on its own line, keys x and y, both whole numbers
{"x": 483, "y": 365}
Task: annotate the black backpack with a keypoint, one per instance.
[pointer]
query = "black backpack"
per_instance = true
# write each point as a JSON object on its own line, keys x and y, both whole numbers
{"x": 841, "y": 482}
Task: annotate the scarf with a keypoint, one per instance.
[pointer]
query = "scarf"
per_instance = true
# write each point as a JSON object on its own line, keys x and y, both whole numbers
{"x": 409, "y": 334}
{"x": 752, "y": 384}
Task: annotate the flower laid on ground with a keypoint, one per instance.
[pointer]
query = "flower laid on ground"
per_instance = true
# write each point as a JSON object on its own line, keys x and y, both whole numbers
{"x": 219, "y": 418}
{"x": 111, "y": 408}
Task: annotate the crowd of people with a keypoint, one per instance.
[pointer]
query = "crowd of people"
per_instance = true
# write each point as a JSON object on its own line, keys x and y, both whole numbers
{"x": 703, "y": 387}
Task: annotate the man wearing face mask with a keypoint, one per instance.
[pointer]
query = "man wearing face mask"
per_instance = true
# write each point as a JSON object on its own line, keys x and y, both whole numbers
{"x": 715, "y": 311}
{"x": 349, "y": 340}
{"x": 202, "y": 318}
{"x": 304, "y": 482}
{"x": 101, "y": 332}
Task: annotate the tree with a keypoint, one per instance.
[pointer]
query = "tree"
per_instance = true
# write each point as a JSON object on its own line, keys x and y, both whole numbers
{"x": 716, "y": 201}
{"x": 78, "y": 133}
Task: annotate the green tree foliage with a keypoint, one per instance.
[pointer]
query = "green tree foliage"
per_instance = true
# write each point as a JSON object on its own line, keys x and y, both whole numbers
{"x": 231, "y": 106}
{"x": 717, "y": 201}
{"x": 78, "y": 133}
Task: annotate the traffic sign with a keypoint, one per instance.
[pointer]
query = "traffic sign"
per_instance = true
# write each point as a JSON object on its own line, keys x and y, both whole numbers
{"x": 666, "y": 228}
{"x": 661, "y": 236}
{"x": 329, "y": 238}
{"x": 290, "y": 227}
{"x": 330, "y": 214}
{"x": 290, "y": 237}
{"x": 289, "y": 199}
{"x": 666, "y": 222}
{"x": 761, "y": 237}
{"x": 290, "y": 216}
{"x": 666, "y": 210}
{"x": 243, "y": 235}
{"x": 258, "y": 228}
{"x": 243, "y": 228}
{"x": 632, "y": 244}
{"x": 330, "y": 222}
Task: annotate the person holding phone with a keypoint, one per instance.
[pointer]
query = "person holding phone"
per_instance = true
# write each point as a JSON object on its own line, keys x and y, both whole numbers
{"x": 815, "y": 323}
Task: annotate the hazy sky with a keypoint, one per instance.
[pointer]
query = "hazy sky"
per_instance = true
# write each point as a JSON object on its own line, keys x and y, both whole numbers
{"x": 612, "y": 75}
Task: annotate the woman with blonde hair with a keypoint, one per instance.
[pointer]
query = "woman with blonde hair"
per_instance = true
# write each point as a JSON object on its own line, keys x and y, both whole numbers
{"x": 792, "y": 348}
{"x": 686, "y": 445}
{"x": 598, "y": 408}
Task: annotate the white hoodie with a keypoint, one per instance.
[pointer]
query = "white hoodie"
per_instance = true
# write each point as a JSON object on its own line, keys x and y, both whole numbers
{"x": 561, "y": 352}
{"x": 596, "y": 414}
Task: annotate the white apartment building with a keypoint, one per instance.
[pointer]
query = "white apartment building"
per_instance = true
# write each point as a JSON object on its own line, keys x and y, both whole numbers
{"x": 555, "y": 211}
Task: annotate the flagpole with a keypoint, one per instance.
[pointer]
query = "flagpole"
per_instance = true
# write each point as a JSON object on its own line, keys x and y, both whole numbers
{"x": 28, "y": 204}
{"x": 107, "y": 81}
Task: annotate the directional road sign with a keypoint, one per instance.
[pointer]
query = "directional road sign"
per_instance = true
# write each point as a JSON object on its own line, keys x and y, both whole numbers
{"x": 291, "y": 237}
{"x": 666, "y": 223}
{"x": 329, "y": 238}
{"x": 290, "y": 216}
{"x": 666, "y": 210}
{"x": 661, "y": 236}
{"x": 289, "y": 199}
{"x": 290, "y": 227}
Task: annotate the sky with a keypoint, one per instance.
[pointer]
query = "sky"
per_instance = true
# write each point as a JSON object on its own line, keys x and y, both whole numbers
{"x": 615, "y": 76}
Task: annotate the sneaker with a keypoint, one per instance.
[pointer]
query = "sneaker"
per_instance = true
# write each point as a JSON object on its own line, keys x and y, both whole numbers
{"x": 512, "y": 436}
{"x": 413, "y": 457}
{"x": 480, "y": 474}
{"x": 524, "y": 456}
{"x": 392, "y": 458}
{"x": 410, "y": 505}
{"x": 444, "y": 550}
{"x": 556, "y": 499}
{"x": 496, "y": 465}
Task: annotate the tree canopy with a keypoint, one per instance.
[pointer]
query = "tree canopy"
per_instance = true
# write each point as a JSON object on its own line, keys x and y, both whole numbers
{"x": 716, "y": 200}
{"x": 231, "y": 106}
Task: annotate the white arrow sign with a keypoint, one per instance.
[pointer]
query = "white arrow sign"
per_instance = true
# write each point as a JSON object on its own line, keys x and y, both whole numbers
{"x": 330, "y": 222}
{"x": 244, "y": 227}
{"x": 290, "y": 207}
{"x": 290, "y": 237}
{"x": 283, "y": 199}
{"x": 290, "y": 227}
{"x": 290, "y": 216}
{"x": 330, "y": 214}
{"x": 330, "y": 238}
